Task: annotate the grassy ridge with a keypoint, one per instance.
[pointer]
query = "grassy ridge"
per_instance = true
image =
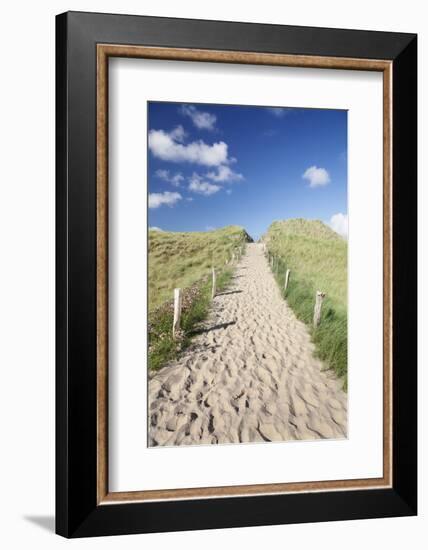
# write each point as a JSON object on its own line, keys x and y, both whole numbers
{"x": 178, "y": 260}
{"x": 317, "y": 258}
{"x": 184, "y": 260}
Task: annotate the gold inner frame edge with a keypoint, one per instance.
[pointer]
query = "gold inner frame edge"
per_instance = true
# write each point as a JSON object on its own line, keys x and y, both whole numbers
{"x": 104, "y": 52}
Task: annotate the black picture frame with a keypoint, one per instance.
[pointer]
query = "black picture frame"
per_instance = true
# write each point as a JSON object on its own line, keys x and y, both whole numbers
{"x": 77, "y": 511}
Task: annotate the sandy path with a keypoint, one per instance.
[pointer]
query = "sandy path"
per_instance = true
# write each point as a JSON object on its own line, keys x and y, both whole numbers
{"x": 250, "y": 375}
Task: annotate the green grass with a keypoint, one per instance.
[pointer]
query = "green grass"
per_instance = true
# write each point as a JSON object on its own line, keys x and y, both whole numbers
{"x": 185, "y": 260}
{"x": 317, "y": 258}
{"x": 196, "y": 303}
{"x": 178, "y": 260}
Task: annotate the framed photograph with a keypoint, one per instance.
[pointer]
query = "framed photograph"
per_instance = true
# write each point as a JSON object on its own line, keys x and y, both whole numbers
{"x": 236, "y": 274}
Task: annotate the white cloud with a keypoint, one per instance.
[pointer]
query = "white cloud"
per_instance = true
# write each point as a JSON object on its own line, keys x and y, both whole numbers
{"x": 209, "y": 228}
{"x": 339, "y": 223}
{"x": 224, "y": 174}
{"x": 162, "y": 174}
{"x": 317, "y": 177}
{"x": 277, "y": 111}
{"x": 154, "y": 228}
{"x": 201, "y": 119}
{"x": 177, "y": 179}
{"x": 158, "y": 199}
{"x": 178, "y": 133}
{"x": 198, "y": 185}
{"x": 167, "y": 146}
{"x": 165, "y": 175}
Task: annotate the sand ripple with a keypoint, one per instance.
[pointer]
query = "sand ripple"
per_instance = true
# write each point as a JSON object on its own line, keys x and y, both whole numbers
{"x": 250, "y": 374}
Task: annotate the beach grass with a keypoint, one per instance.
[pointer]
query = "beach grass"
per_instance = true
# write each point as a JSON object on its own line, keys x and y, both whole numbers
{"x": 317, "y": 258}
{"x": 178, "y": 260}
{"x": 185, "y": 260}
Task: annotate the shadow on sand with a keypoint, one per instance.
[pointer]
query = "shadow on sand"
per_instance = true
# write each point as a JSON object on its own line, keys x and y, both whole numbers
{"x": 204, "y": 330}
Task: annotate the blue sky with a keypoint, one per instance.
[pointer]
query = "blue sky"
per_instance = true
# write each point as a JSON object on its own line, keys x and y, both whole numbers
{"x": 216, "y": 165}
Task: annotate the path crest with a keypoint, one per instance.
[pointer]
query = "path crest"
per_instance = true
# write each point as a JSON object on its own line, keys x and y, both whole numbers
{"x": 250, "y": 375}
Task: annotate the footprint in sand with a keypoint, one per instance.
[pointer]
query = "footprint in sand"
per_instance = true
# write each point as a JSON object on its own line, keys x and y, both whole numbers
{"x": 254, "y": 380}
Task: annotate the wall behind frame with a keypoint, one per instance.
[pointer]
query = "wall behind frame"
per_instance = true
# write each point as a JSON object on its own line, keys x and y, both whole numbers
{"x": 27, "y": 271}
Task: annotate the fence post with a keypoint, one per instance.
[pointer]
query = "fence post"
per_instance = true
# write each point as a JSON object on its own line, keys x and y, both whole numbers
{"x": 177, "y": 312}
{"x": 287, "y": 277}
{"x": 213, "y": 292}
{"x": 319, "y": 297}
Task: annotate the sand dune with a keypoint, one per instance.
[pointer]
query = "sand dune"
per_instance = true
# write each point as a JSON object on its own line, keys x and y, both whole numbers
{"x": 250, "y": 374}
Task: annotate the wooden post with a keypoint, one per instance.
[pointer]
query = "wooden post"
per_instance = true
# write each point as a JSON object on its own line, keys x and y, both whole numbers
{"x": 319, "y": 297}
{"x": 177, "y": 312}
{"x": 214, "y": 285}
{"x": 287, "y": 277}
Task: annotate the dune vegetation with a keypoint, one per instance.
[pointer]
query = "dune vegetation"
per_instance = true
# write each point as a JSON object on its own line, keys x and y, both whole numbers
{"x": 185, "y": 260}
{"x": 178, "y": 260}
{"x": 317, "y": 258}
